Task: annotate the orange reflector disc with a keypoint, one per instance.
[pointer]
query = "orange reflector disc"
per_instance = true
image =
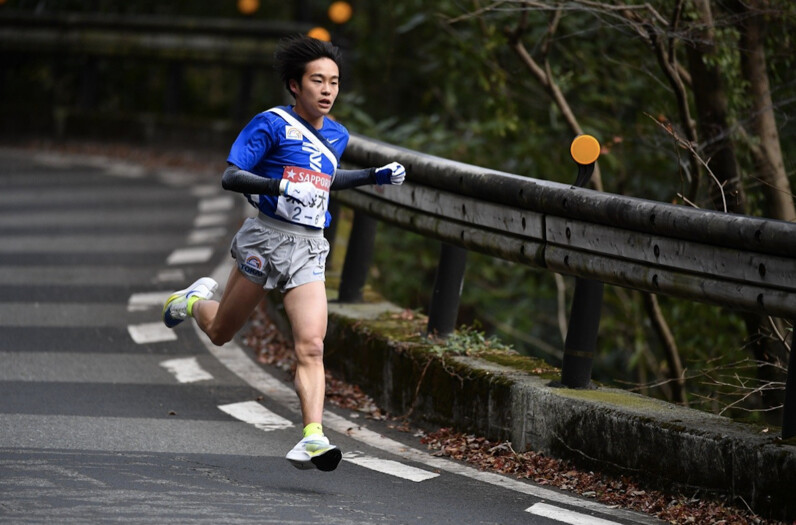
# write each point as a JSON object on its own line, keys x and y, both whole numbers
{"x": 585, "y": 149}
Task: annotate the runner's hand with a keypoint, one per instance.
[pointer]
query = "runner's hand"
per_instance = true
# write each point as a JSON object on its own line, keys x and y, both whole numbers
{"x": 304, "y": 192}
{"x": 392, "y": 173}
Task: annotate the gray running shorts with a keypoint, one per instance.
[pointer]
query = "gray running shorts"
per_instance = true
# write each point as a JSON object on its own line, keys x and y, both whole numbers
{"x": 278, "y": 254}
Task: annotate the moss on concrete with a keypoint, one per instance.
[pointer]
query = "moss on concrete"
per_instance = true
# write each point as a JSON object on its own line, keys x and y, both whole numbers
{"x": 523, "y": 363}
{"x": 612, "y": 397}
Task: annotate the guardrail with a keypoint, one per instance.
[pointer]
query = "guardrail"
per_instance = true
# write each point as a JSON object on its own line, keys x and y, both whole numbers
{"x": 739, "y": 262}
{"x": 244, "y": 48}
{"x": 199, "y": 40}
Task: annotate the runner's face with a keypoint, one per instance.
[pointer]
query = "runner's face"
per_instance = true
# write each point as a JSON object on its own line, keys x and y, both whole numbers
{"x": 318, "y": 90}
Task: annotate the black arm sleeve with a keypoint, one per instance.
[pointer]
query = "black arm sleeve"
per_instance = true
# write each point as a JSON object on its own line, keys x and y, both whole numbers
{"x": 242, "y": 181}
{"x": 345, "y": 179}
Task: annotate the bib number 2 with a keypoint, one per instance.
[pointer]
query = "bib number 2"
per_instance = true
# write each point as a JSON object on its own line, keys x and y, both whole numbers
{"x": 313, "y": 215}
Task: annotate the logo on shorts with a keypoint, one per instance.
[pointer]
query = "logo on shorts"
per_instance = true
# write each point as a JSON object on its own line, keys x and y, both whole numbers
{"x": 253, "y": 261}
{"x": 293, "y": 133}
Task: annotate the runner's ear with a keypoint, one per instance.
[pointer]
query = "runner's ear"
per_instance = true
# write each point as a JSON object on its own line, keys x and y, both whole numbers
{"x": 294, "y": 86}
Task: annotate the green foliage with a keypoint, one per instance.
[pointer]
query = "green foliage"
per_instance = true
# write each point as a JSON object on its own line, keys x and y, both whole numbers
{"x": 469, "y": 341}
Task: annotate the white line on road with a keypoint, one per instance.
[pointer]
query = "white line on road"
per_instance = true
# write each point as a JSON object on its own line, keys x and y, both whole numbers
{"x": 216, "y": 204}
{"x": 205, "y": 190}
{"x": 205, "y": 235}
{"x": 388, "y": 466}
{"x": 235, "y": 359}
{"x": 209, "y": 219}
{"x": 255, "y": 414}
{"x": 150, "y": 333}
{"x": 186, "y": 369}
{"x": 196, "y": 255}
{"x": 146, "y": 300}
{"x": 566, "y": 516}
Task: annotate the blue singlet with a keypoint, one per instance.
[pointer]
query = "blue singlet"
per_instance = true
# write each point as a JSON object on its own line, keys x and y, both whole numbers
{"x": 268, "y": 144}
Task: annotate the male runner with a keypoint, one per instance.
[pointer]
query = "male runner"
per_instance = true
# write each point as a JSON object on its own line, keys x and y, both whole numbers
{"x": 285, "y": 162}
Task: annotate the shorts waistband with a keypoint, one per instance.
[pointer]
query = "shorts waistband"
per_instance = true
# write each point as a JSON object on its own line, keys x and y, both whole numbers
{"x": 289, "y": 227}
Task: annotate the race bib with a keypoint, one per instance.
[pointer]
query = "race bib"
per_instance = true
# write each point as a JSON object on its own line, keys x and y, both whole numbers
{"x": 292, "y": 210}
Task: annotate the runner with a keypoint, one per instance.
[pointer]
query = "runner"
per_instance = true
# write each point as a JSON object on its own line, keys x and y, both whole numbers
{"x": 285, "y": 162}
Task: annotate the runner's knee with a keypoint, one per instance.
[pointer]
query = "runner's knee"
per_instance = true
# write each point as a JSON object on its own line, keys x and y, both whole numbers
{"x": 218, "y": 336}
{"x": 309, "y": 349}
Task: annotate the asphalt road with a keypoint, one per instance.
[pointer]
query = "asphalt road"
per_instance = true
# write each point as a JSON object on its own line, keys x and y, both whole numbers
{"x": 106, "y": 416}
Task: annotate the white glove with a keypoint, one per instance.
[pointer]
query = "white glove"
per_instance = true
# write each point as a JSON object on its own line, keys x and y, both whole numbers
{"x": 304, "y": 192}
{"x": 392, "y": 173}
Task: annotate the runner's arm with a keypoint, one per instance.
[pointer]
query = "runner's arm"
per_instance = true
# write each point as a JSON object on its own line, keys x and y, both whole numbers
{"x": 242, "y": 181}
{"x": 392, "y": 173}
{"x": 345, "y": 179}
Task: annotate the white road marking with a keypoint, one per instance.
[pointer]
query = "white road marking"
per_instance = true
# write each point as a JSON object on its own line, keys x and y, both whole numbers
{"x": 150, "y": 333}
{"x": 209, "y": 219}
{"x": 566, "y": 516}
{"x": 186, "y": 369}
{"x": 206, "y": 235}
{"x": 190, "y": 255}
{"x": 205, "y": 190}
{"x": 126, "y": 170}
{"x": 177, "y": 179}
{"x": 174, "y": 275}
{"x": 255, "y": 414}
{"x": 388, "y": 466}
{"x": 216, "y": 204}
{"x": 144, "y": 301}
{"x": 235, "y": 359}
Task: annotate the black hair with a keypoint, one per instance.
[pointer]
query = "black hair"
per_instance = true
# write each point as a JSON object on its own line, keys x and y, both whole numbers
{"x": 294, "y": 53}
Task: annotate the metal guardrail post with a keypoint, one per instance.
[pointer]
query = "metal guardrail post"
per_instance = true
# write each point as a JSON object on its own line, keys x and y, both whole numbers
{"x": 789, "y": 410}
{"x": 174, "y": 82}
{"x": 358, "y": 258}
{"x": 584, "y": 318}
{"x": 444, "y": 308}
{"x": 330, "y": 233}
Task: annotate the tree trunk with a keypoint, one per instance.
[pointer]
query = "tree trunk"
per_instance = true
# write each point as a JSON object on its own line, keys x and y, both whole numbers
{"x": 710, "y": 97}
{"x": 768, "y": 155}
{"x": 770, "y": 166}
{"x": 711, "y": 109}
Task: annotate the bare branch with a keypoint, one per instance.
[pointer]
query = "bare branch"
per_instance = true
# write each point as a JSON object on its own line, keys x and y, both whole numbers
{"x": 690, "y": 147}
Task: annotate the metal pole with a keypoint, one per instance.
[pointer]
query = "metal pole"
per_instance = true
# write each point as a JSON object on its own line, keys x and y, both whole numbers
{"x": 173, "y": 95}
{"x": 584, "y": 318}
{"x": 241, "y": 112}
{"x": 444, "y": 308}
{"x": 789, "y": 410}
{"x": 358, "y": 257}
{"x": 581, "y": 342}
{"x": 88, "y": 83}
{"x": 330, "y": 233}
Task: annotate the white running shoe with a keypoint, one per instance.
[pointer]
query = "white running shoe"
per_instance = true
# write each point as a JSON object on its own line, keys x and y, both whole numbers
{"x": 315, "y": 451}
{"x": 175, "y": 310}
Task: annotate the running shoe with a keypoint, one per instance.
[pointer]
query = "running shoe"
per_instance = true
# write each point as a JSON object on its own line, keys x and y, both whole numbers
{"x": 176, "y": 308}
{"x": 315, "y": 451}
